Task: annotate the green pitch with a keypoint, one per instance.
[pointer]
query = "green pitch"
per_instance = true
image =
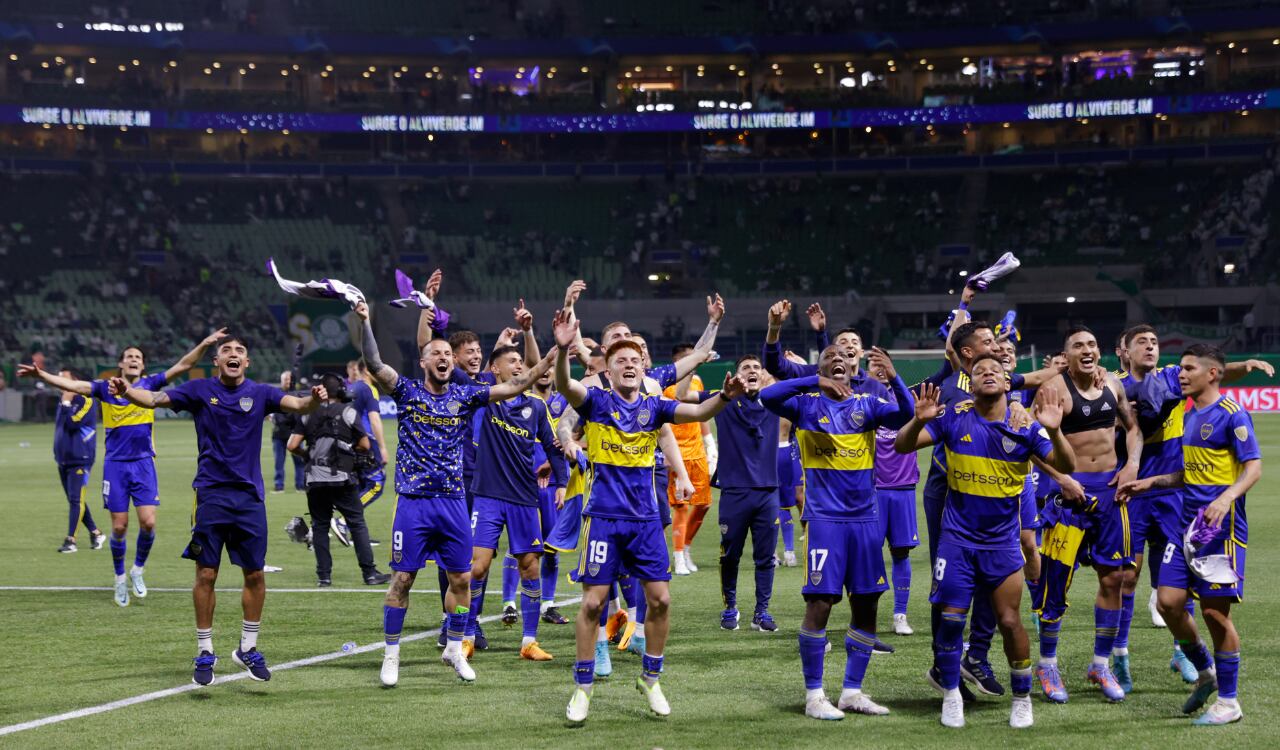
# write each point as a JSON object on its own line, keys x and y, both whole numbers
{"x": 67, "y": 650}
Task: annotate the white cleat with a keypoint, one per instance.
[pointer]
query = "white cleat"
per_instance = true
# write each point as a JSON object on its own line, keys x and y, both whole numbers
{"x": 820, "y": 707}
{"x": 861, "y": 703}
{"x": 458, "y": 661}
{"x": 579, "y": 703}
{"x": 653, "y": 693}
{"x": 1020, "y": 712}
{"x": 681, "y": 568}
{"x": 688, "y": 561}
{"x": 789, "y": 559}
{"x": 390, "y": 674}
{"x": 271, "y": 568}
{"x": 139, "y": 586}
{"x": 1223, "y": 711}
{"x": 1156, "y": 620}
{"x": 953, "y": 711}
{"x": 122, "y": 593}
{"x": 900, "y": 625}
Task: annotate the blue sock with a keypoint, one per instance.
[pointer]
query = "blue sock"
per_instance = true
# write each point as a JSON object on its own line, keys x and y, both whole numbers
{"x": 510, "y": 578}
{"x": 530, "y": 607}
{"x": 1106, "y": 623}
{"x": 392, "y": 623}
{"x": 813, "y": 646}
{"x": 627, "y": 586}
{"x": 642, "y": 608}
{"x": 1228, "y": 665}
{"x": 1035, "y": 591}
{"x": 1049, "y": 638}
{"x": 1197, "y": 654}
{"x": 473, "y": 616}
{"x": 949, "y": 649}
{"x": 901, "y": 584}
{"x": 1020, "y": 677}
{"x": 118, "y": 548}
{"x": 457, "y": 623}
{"x": 857, "y": 649}
{"x": 550, "y": 574}
{"x": 651, "y": 666}
{"x": 788, "y": 530}
{"x": 145, "y": 540}
{"x": 477, "y": 602}
{"x": 584, "y": 672}
{"x": 1190, "y": 606}
{"x": 1126, "y": 620}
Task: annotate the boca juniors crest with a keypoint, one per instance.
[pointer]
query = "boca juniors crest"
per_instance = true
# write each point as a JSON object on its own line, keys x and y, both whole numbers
{"x": 1205, "y": 431}
{"x": 643, "y": 416}
{"x": 815, "y": 577}
{"x": 246, "y": 404}
{"x": 1008, "y": 444}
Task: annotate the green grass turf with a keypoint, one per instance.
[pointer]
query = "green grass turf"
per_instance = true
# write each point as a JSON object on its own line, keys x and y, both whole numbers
{"x": 68, "y": 650}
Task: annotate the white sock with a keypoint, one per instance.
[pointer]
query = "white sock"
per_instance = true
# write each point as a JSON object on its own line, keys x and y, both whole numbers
{"x": 249, "y": 635}
{"x": 469, "y": 638}
{"x": 850, "y": 693}
{"x": 813, "y": 694}
{"x": 546, "y": 604}
{"x": 1100, "y": 660}
{"x": 1232, "y": 702}
{"x": 631, "y": 614}
{"x": 525, "y": 641}
{"x": 391, "y": 649}
{"x": 952, "y": 694}
{"x": 120, "y": 578}
{"x": 204, "y": 640}
{"x": 1048, "y": 661}
{"x": 453, "y": 648}
{"x": 136, "y": 570}
{"x": 1120, "y": 652}
{"x": 602, "y": 636}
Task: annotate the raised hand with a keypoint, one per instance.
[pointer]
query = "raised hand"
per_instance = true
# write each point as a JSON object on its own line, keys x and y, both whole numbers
{"x": 432, "y": 287}
{"x": 523, "y": 317}
{"x": 565, "y": 328}
{"x": 715, "y": 308}
{"x": 928, "y": 402}
{"x": 28, "y": 371}
{"x": 212, "y": 338}
{"x": 575, "y": 290}
{"x": 879, "y": 359}
{"x": 507, "y": 337}
{"x": 1048, "y": 408}
{"x": 1257, "y": 364}
{"x": 362, "y": 310}
{"x": 319, "y": 392}
{"x": 817, "y": 318}
{"x": 778, "y": 313}
{"x": 118, "y": 386}
{"x": 733, "y": 386}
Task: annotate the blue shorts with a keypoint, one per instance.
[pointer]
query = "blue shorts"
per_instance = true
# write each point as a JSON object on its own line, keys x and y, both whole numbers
{"x": 125, "y": 480}
{"x": 1176, "y": 573}
{"x": 1164, "y": 519}
{"x": 660, "y": 481}
{"x": 612, "y": 548}
{"x": 789, "y": 476}
{"x": 228, "y": 517}
{"x": 1106, "y": 523}
{"x": 898, "y": 517}
{"x": 1140, "y": 520}
{"x": 1028, "y": 515}
{"x": 490, "y": 516}
{"x": 547, "y": 510}
{"x": 430, "y": 528}
{"x": 564, "y": 535}
{"x": 962, "y": 574}
{"x": 844, "y": 556}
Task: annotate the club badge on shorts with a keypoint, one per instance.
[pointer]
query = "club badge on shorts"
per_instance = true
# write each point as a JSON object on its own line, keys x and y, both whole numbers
{"x": 815, "y": 577}
{"x": 593, "y": 569}
{"x": 246, "y": 404}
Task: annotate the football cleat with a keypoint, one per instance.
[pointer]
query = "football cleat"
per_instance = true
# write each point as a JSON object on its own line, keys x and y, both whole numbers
{"x": 1120, "y": 668}
{"x": 900, "y": 625}
{"x": 604, "y": 665}
{"x": 1020, "y": 712}
{"x": 979, "y": 674}
{"x": 729, "y": 619}
{"x": 880, "y": 647}
{"x": 1183, "y": 666}
{"x": 324, "y": 583}
{"x": 534, "y": 652}
{"x": 510, "y": 615}
{"x": 458, "y": 661}
{"x": 626, "y": 634}
{"x": 139, "y": 585}
{"x": 653, "y": 693}
{"x": 688, "y": 561}
{"x": 763, "y": 621}
{"x": 468, "y": 648}
{"x": 579, "y": 703}
{"x": 482, "y": 642}
{"x": 1101, "y": 675}
{"x": 376, "y": 578}
{"x": 97, "y": 539}
{"x": 1205, "y": 687}
{"x": 252, "y": 662}
{"x": 122, "y": 593}
{"x": 203, "y": 674}
{"x": 68, "y": 545}
{"x": 390, "y": 673}
{"x": 820, "y": 707}
{"x": 861, "y": 703}
{"x": 1223, "y": 711}
{"x": 1050, "y": 680}
{"x": 789, "y": 559}
{"x": 614, "y": 625}
{"x": 1157, "y": 620}
{"x": 953, "y": 712}
{"x": 340, "y": 530}
{"x": 934, "y": 678}
{"x": 681, "y": 567}
{"x": 637, "y": 644}
{"x": 442, "y": 640}
{"x": 552, "y": 616}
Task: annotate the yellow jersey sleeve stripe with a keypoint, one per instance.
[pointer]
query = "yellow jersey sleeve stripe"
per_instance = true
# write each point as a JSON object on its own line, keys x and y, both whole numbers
{"x": 822, "y": 450}
{"x": 985, "y": 477}
{"x": 79, "y": 415}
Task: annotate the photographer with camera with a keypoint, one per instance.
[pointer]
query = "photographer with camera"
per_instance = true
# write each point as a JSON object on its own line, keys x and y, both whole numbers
{"x": 336, "y": 450}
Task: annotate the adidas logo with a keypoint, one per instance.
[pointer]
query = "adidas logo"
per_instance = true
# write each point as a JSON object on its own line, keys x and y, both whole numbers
{"x": 881, "y": 581}
{"x": 1106, "y": 407}
{"x": 824, "y": 420}
{"x": 536, "y": 542}
{"x": 966, "y": 439}
{"x": 1115, "y": 555}
{"x": 616, "y": 416}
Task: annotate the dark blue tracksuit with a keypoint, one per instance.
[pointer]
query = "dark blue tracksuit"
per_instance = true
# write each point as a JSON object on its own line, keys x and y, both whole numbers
{"x": 747, "y": 475}
{"x": 75, "y": 444}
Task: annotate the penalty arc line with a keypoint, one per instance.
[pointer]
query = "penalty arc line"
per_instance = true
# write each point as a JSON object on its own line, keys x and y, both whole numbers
{"x": 80, "y": 713}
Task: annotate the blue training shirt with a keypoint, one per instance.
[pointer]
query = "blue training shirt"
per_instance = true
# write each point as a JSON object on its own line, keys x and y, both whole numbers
{"x": 228, "y": 422}
{"x": 507, "y": 434}
{"x": 747, "y": 434}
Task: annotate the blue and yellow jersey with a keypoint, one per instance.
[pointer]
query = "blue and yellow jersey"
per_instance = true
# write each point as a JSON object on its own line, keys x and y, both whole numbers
{"x": 555, "y": 406}
{"x": 621, "y": 439}
{"x": 954, "y": 387}
{"x": 128, "y": 426}
{"x": 987, "y": 466}
{"x": 432, "y": 430}
{"x": 837, "y": 442}
{"x": 1216, "y": 442}
{"x": 1161, "y": 408}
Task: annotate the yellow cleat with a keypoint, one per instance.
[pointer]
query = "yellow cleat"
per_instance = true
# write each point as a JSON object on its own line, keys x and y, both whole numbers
{"x": 534, "y": 652}
{"x": 624, "y": 638}
{"x": 617, "y": 621}
{"x": 468, "y": 649}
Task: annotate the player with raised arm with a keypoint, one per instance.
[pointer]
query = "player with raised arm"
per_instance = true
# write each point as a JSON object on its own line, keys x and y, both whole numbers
{"x": 622, "y": 530}
{"x": 552, "y": 495}
{"x": 228, "y": 410}
{"x": 848, "y": 340}
{"x": 836, "y": 435}
{"x": 431, "y": 520}
{"x": 979, "y": 552}
{"x": 1090, "y": 516}
{"x": 698, "y": 451}
{"x": 1221, "y": 462}
{"x": 128, "y": 465}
